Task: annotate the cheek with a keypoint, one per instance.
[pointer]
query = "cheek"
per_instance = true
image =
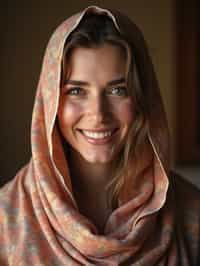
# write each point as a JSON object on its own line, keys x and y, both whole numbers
{"x": 125, "y": 111}
{"x": 68, "y": 114}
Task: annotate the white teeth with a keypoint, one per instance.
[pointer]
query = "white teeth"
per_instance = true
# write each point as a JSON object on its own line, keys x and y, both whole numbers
{"x": 97, "y": 135}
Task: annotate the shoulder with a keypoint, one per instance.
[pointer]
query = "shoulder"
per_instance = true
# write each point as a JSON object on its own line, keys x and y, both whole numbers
{"x": 12, "y": 186}
{"x": 186, "y": 204}
{"x": 185, "y": 191}
{"x": 11, "y": 195}
{"x": 186, "y": 198}
{"x": 186, "y": 201}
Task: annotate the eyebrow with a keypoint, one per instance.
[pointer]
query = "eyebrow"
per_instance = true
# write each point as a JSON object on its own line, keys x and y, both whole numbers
{"x": 84, "y": 83}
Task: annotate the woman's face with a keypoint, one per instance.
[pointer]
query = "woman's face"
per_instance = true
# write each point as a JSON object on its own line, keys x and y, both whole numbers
{"x": 95, "y": 109}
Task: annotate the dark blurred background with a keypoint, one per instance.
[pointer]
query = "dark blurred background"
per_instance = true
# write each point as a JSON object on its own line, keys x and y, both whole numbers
{"x": 171, "y": 29}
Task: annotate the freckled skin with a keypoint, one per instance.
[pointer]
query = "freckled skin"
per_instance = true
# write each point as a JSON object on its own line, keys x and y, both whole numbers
{"x": 95, "y": 107}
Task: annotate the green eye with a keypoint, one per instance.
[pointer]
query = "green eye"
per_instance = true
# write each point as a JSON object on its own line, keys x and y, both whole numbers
{"x": 75, "y": 91}
{"x": 119, "y": 91}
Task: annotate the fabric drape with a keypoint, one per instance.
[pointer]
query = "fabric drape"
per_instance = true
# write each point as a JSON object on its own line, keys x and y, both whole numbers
{"x": 40, "y": 221}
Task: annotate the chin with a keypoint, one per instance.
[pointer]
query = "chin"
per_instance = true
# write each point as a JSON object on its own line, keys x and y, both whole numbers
{"x": 98, "y": 159}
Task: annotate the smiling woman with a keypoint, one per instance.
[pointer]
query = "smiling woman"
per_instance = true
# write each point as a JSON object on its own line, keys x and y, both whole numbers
{"x": 95, "y": 118}
{"x": 96, "y": 112}
{"x": 98, "y": 189}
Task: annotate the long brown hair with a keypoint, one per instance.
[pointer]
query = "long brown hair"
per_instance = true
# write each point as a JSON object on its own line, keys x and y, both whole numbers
{"x": 93, "y": 31}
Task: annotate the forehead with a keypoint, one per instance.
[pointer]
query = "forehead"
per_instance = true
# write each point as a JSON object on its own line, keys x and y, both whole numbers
{"x": 99, "y": 63}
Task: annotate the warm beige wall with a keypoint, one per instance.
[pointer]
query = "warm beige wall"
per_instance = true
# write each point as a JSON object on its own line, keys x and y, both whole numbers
{"x": 27, "y": 28}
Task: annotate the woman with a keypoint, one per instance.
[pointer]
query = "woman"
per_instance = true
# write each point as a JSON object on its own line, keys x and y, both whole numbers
{"x": 98, "y": 189}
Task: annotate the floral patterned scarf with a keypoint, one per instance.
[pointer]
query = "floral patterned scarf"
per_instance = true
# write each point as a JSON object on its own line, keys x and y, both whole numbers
{"x": 40, "y": 221}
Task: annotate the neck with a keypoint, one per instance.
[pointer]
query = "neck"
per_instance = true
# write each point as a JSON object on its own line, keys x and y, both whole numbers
{"x": 89, "y": 177}
{"x": 89, "y": 183}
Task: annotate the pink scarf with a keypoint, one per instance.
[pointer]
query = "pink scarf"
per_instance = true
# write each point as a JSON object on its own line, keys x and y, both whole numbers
{"x": 40, "y": 220}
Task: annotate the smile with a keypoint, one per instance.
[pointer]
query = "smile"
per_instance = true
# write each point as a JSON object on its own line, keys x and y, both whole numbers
{"x": 98, "y": 137}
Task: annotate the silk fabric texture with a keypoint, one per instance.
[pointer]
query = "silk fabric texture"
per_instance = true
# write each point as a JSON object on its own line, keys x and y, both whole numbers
{"x": 40, "y": 220}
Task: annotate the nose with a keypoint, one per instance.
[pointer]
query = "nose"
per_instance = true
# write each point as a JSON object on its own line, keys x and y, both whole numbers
{"x": 98, "y": 108}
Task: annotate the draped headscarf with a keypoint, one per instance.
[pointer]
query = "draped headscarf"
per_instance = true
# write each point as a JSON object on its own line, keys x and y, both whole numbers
{"x": 40, "y": 223}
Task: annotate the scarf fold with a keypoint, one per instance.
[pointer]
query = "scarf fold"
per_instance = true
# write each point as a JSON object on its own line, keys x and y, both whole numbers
{"x": 44, "y": 225}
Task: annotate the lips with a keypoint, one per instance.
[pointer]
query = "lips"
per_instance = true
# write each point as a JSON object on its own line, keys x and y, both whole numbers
{"x": 99, "y": 136}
